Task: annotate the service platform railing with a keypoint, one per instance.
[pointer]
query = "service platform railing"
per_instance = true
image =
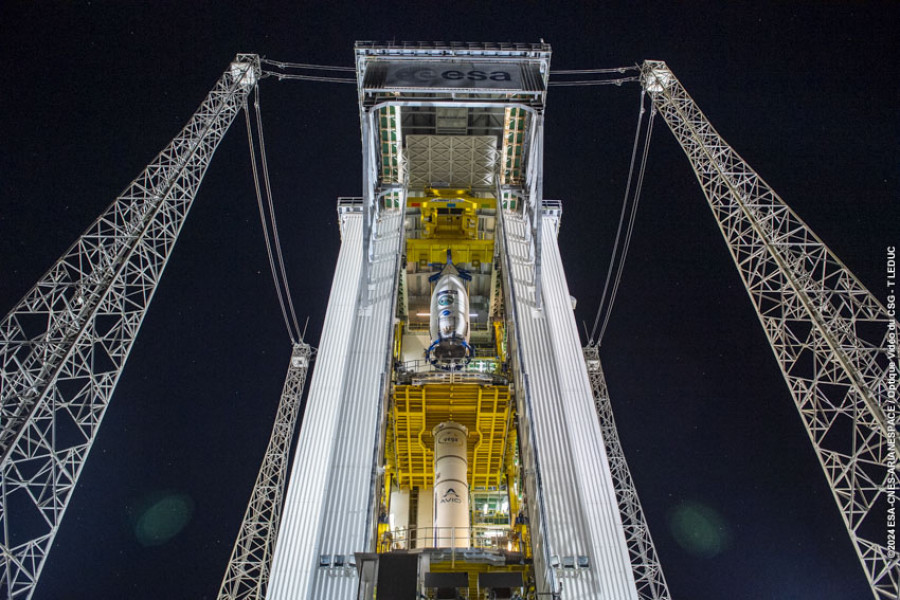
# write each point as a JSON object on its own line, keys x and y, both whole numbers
{"x": 485, "y": 371}
{"x": 473, "y": 537}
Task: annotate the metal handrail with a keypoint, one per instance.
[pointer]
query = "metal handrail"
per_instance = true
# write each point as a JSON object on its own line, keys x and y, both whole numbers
{"x": 475, "y": 537}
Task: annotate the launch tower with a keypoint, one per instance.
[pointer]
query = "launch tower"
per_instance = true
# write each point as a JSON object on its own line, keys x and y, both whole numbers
{"x": 450, "y": 426}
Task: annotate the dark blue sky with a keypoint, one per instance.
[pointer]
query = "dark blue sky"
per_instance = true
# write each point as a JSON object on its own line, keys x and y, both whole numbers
{"x": 803, "y": 91}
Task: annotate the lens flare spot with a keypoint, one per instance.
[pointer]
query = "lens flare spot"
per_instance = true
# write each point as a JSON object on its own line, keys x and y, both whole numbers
{"x": 699, "y": 529}
{"x": 162, "y": 518}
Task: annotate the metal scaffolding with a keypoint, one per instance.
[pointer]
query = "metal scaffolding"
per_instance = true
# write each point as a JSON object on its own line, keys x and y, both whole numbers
{"x": 828, "y": 332}
{"x": 247, "y": 575}
{"x": 648, "y": 573}
{"x": 63, "y": 347}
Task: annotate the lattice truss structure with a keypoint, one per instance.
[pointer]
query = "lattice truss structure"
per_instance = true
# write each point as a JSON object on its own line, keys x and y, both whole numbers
{"x": 465, "y": 161}
{"x": 247, "y": 575}
{"x": 63, "y": 347}
{"x": 648, "y": 574}
{"x": 828, "y": 333}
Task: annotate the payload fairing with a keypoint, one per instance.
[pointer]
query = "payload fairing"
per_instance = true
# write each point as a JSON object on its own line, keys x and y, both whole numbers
{"x": 449, "y": 318}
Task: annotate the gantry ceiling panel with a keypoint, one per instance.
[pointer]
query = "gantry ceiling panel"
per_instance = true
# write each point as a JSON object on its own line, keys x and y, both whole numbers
{"x": 453, "y": 160}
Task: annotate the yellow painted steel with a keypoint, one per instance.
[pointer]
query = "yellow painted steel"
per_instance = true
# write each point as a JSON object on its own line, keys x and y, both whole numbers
{"x": 485, "y": 410}
{"x": 398, "y": 339}
{"x": 433, "y": 193}
{"x": 449, "y": 213}
{"x": 455, "y": 232}
{"x": 500, "y": 340}
{"x": 384, "y": 510}
{"x": 431, "y": 250}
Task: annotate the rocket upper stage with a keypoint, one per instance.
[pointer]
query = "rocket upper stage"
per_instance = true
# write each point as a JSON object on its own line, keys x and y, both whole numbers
{"x": 449, "y": 324}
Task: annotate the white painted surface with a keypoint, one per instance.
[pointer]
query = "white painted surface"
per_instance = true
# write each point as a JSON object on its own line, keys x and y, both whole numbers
{"x": 330, "y": 507}
{"x": 574, "y": 510}
{"x": 424, "y": 517}
{"x": 451, "y": 486}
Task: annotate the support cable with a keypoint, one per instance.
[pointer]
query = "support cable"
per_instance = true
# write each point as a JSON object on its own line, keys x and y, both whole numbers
{"x": 634, "y": 205}
{"x": 275, "y": 236}
{"x": 292, "y": 65}
{"x": 262, "y": 217}
{"x": 352, "y": 80}
{"x": 612, "y": 260}
{"x": 315, "y": 67}
{"x": 591, "y": 71}
{"x": 593, "y": 82}
{"x": 318, "y": 78}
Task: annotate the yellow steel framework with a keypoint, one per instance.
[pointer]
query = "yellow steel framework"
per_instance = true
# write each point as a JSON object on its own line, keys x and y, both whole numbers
{"x": 463, "y": 251}
{"x": 450, "y": 222}
{"x": 437, "y": 193}
{"x": 484, "y": 409}
{"x": 450, "y": 213}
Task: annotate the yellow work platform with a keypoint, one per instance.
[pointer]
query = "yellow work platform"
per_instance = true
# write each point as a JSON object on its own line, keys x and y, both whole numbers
{"x": 431, "y": 250}
{"x": 484, "y": 409}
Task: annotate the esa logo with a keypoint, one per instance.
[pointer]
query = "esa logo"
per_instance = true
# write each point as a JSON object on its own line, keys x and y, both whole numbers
{"x": 451, "y": 75}
{"x": 476, "y": 75}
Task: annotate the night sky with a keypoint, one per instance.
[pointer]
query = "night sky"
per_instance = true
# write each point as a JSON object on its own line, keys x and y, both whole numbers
{"x": 735, "y": 498}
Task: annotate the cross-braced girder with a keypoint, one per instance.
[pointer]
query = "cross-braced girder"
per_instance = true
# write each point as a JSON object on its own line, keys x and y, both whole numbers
{"x": 648, "y": 574}
{"x": 828, "y": 332}
{"x": 247, "y": 575}
{"x": 63, "y": 347}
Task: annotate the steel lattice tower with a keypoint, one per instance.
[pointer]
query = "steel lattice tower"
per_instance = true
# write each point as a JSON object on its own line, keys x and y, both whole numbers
{"x": 648, "y": 574}
{"x": 830, "y": 335}
{"x": 247, "y": 574}
{"x": 63, "y": 347}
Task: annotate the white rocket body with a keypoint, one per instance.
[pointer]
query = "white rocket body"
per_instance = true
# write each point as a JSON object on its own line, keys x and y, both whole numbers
{"x": 449, "y": 324}
{"x": 451, "y": 486}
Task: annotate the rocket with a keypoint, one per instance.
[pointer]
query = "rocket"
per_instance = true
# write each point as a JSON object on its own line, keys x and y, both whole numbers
{"x": 449, "y": 325}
